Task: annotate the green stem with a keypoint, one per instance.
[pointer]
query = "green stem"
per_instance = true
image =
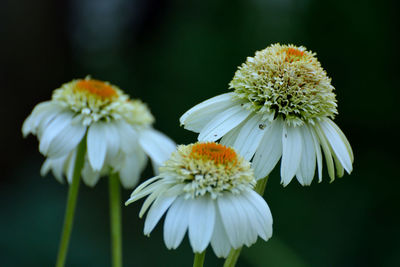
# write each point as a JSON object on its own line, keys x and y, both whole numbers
{"x": 71, "y": 204}
{"x": 235, "y": 253}
{"x": 199, "y": 259}
{"x": 115, "y": 220}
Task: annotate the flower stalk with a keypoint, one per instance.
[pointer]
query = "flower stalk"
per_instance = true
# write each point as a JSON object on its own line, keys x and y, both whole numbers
{"x": 71, "y": 204}
{"x": 115, "y": 220}
{"x": 199, "y": 259}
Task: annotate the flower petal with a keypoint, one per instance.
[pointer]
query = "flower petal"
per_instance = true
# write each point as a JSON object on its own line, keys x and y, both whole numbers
{"x": 219, "y": 241}
{"x": 201, "y": 223}
{"x": 306, "y": 170}
{"x": 327, "y": 151}
{"x": 250, "y": 136}
{"x": 292, "y": 143}
{"x": 55, "y": 127}
{"x": 97, "y": 145}
{"x": 89, "y": 176}
{"x": 157, "y": 145}
{"x": 269, "y": 151}
{"x": 338, "y": 145}
{"x": 223, "y": 123}
{"x": 198, "y": 116}
{"x": 156, "y": 211}
{"x": 176, "y": 223}
{"x": 132, "y": 167}
{"x": 67, "y": 140}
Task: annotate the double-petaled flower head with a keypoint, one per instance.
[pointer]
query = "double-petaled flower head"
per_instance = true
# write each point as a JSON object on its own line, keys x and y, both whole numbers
{"x": 207, "y": 189}
{"x": 117, "y": 129}
{"x": 282, "y": 106}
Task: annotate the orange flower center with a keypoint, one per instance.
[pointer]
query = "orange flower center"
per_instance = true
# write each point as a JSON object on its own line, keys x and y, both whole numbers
{"x": 293, "y": 54}
{"x": 218, "y": 153}
{"x": 96, "y": 88}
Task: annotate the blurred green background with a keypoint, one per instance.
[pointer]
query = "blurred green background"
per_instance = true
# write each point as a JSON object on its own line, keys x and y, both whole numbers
{"x": 173, "y": 54}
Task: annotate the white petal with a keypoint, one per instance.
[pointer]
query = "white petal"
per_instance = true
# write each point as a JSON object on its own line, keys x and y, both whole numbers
{"x": 176, "y": 223}
{"x": 70, "y": 165}
{"x": 223, "y": 123}
{"x": 67, "y": 140}
{"x": 269, "y": 150}
{"x": 327, "y": 151}
{"x": 292, "y": 143}
{"x": 89, "y": 176}
{"x": 132, "y": 168}
{"x": 317, "y": 148}
{"x": 56, "y": 166}
{"x": 306, "y": 170}
{"x": 229, "y": 138}
{"x": 219, "y": 241}
{"x": 249, "y": 231}
{"x": 201, "y": 223}
{"x": 55, "y": 127}
{"x": 97, "y": 145}
{"x": 42, "y": 110}
{"x": 198, "y": 116}
{"x": 157, "y": 145}
{"x": 233, "y": 219}
{"x": 128, "y": 136}
{"x": 250, "y": 136}
{"x": 113, "y": 141}
{"x": 337, "y": 144}
{"x": 263, "y": 214}
{"x": 343, "y": 137}
{"x": 156, "y": 212}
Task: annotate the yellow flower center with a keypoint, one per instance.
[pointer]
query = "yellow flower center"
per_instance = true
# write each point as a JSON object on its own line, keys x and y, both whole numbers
{"x": 293, "y": 54}
{"x": 96, "y": 88}
{"x": 217, "y": 153}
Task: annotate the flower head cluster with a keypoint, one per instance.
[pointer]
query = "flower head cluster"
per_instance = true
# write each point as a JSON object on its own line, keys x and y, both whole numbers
{"x": 285, "y": 81}
{"x": 117, "y": 130}
{"x": 281, "y": 107}
{"x": 208, "y": 190}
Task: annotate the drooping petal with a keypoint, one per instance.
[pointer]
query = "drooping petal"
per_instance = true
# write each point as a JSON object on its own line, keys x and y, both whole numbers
{"x": 220, "y": 241}
{"x": 55, "y": 127}
{"x": 327, "y": 151}
{"x": 176, "y": 223}
{"x": 338, "y": 145}
{"x": 132, "y": 167}
{"x": 128, "y": 136}
{"x": 157, "y": 210}
{"x": 250, "y": 136}
{"x": 157, "y": 145}
{"x": 89, "y": 176}
{"x": 230, "y": 137}
{"x": 292, "y": 145}
{"x": 97, "y": 145}
{"x": 198, "y": 116}
{"x": 67, "y": 140}
{"x": 263, "y": 214}
{"x": 306, "y": 170}
{"x": 342, "y": 136}
{"x": 223, "y": 123}
{"x": 233, "y": 219}
{"x": 318, "y": 153}
{"x": 201, "y": 223}
{"x": 269, "y": 150}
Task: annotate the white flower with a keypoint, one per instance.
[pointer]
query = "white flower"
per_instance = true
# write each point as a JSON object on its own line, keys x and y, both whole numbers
{"x": 208, "y": 190}
{"x": 281, "y": 107}
{"x": 117, "y": 129}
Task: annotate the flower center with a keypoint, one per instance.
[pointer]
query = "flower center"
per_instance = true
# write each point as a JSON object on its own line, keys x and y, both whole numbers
{"x": 96, "y": 88}
{"x": 293, "y": 54}
{"x": 217, "y": 153}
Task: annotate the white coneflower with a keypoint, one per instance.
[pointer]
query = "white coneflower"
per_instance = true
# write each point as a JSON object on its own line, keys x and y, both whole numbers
{"x": 282, "y": 106}
{"x": 208, "y": 190}
{"x": 118, "y": 132}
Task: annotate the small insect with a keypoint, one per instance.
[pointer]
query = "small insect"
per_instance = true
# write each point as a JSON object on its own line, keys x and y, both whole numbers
{"x": 262, "y": 126}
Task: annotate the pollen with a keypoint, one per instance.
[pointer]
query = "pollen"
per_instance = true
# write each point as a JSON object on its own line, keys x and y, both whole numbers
{"x": 293, "y": 54}
{"x": 97, "y": 88}
{"x": 217, "y": 153}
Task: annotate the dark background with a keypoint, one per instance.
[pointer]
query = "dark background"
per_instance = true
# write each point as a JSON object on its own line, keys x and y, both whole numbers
{"x": 172, "y": 55}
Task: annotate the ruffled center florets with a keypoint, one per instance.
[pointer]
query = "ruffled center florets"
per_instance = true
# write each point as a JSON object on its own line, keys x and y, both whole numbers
{"x": 286, "y": 81}
{"x": 96, "y": 100}
{"x": 209, "y": 168}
